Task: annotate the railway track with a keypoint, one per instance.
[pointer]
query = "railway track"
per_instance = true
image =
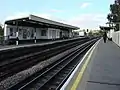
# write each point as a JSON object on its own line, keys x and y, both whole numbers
{"x": 55, "y": 75}
{"x": 9, "y": 54}
{"x": 10, "y": 69}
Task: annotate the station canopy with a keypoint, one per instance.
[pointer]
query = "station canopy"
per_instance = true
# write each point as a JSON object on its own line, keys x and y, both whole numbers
{"x": 105, "y": 28}
{"x": 37, "y": 22}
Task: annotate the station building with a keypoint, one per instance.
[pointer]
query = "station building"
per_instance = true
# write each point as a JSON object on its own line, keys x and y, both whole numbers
{"x": 36, "y": 28}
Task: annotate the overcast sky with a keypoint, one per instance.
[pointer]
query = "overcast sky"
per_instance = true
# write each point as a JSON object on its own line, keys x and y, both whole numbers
{"x": 83, "y": 13}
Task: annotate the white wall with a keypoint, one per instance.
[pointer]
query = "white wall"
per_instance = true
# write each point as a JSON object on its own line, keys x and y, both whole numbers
{"x": 6, "y": 32}
{"x": 70, "y": 33}
{"x": 38, "y": 33}
{"x": 29, "y": 31}
{"x": 116, "y": 37}
{"x": 53, "y": 33}
{"x": 21, "y": 31}
{"x": 81, "y": 33}
{"x": 65, "y": 33}
{"x": 109, "y": 34}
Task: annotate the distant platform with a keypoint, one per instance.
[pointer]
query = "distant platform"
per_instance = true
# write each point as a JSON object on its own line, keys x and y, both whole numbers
{"x": 6, "y": 47}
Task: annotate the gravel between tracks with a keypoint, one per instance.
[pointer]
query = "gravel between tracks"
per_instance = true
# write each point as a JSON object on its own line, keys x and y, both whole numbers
{"x": 11, "y": 81}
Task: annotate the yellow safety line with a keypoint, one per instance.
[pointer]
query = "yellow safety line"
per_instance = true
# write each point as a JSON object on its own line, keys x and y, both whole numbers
{"x": 79, "y": 77}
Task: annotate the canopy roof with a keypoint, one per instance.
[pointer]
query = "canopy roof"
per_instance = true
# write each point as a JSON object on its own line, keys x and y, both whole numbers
{"x": 105, "y": 28}
{"x": 35, "y": 21}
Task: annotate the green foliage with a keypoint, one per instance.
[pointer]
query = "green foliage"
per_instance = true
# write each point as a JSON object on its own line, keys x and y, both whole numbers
{"x": 90, "y": 33}
{"x": 114, "y": 16}
{"x": 97, "y": 33}
{"x": 109, "y": 17}
{"x": 1, "y": 31}
{"x": 114, "y": 8}
{"x": 100, "y": 32}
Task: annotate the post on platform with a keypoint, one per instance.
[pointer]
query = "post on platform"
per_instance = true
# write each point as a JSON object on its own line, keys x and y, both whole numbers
{"x": 17, "y": 41}
{"x": 35, "y": 36}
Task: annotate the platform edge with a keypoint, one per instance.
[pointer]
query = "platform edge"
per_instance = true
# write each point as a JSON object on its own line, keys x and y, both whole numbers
{"x": 85, "y": 57}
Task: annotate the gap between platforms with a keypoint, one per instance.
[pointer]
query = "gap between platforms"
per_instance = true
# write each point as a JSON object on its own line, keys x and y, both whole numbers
{"x": 74, "y": 80}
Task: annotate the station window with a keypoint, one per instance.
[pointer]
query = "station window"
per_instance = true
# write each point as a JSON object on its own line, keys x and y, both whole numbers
{"x": 58, "y": 33}
{"x": 43, "y": 32}
{"x": 11, "y": 31}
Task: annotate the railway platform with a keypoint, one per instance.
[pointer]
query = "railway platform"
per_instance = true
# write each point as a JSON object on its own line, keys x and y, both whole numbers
{"x": 6, "y": 47}
{"x": 98, "y": 70}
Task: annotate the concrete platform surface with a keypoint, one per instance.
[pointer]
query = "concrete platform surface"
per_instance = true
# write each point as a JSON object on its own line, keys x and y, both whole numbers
{"x": 105, "y": 68}
{"x": 5, "y": 47}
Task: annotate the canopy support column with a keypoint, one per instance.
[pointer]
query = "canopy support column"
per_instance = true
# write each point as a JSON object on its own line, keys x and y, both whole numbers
{"x": 17, "y": 41}
{"x": 35, "y": 41}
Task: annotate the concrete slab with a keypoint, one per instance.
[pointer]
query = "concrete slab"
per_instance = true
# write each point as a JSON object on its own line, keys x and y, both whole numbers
{"x": 103, "y": 71}
{"x": 94, "y": 86}
{"x": 106, "y": 63}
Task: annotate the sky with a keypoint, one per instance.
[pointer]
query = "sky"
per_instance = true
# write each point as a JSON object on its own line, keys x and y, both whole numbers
{"x": 86, "y": 14}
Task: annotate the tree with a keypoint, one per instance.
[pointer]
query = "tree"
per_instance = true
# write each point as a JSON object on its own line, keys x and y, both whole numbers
{"x": 90, "y": 33}
{"x": 101, "y": 32}
{"x": 1, "y": 31}
{"x": 114, "y": 16}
